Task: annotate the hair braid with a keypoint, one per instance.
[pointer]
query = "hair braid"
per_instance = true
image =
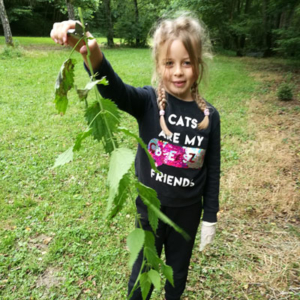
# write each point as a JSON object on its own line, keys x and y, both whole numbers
{"x": 202, "y": 105}
{"x": 162, "y": 103}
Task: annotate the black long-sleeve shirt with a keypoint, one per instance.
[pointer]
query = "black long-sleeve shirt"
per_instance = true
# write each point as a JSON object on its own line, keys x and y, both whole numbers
{"x": 189, "y": 162}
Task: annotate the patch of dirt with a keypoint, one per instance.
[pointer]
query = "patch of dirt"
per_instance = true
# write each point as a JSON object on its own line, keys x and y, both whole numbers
{"x": 40, "y": 242}
{"x": 266, "y": 182}
{"x": 44, "y": 47}
{"x": 264, "y": 189}
{"x": 50, "y": 278}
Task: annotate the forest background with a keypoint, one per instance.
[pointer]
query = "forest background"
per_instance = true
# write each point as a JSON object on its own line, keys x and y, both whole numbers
{"x": 259, "y": 28}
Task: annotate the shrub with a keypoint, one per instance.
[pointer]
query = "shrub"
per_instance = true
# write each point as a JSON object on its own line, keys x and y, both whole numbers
{"x": 11, "y": 52}
{"x": 285, "y": 92}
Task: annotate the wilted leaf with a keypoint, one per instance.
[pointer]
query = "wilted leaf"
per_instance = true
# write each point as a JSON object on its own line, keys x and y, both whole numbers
{"x": 47, "y": 240}
{"x": 64, "y": 158}
{"x": 83, "y": 93}
{"x": 135, "y": 242}
{"x": 64, "y": 82}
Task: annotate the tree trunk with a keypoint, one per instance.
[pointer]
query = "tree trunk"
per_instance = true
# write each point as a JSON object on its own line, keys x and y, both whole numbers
{"x": 243, "y": 37}
{"x": 137, "y": 40}
{"x": 5, "y": 24}
{"x": 70, "y": 8}
{"x": 109, "y": 23}
{"x": 268, "y": 37}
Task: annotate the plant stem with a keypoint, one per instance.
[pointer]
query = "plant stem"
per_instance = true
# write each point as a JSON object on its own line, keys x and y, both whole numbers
{"x": 75, "y": 46}
{"x": 93, "y": 78}
{"x": 137, "y": 280}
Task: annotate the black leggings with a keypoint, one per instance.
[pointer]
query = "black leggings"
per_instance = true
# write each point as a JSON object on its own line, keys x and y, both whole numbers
{"x": 178, "y": 251}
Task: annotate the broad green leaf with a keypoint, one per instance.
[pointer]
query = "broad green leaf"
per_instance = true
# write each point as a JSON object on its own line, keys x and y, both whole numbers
{"x": 64, "y": 158}
{"x": 168, "y": 273}
{"x": 120, "y": 162}
{"x": 64, "y": 82}
{"x": 83, "y": 93}
{"x": 80, "y": 137}
{"x": 94, "y": 120}
{"x": 104, "y": 122}
{"x": 121, "y": 196}
{"x": 150, "y": 250}
{"x": 135, "y": 242}
{"x": 110, "y": 144}
{"x": 143, "y": 145}
{"x": 155, "y": 278}
{"x": 145, "y": 283}
{"x": 111, "y": 113}
{"x": 149, "y": 197}
{"x": 112, "y": 119}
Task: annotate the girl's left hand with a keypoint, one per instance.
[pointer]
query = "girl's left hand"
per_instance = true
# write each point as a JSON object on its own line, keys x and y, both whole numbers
{"x": 208, "y": 231}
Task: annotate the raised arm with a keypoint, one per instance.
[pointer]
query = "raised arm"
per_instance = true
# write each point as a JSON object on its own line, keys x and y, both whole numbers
{"x": 59, "y": 35}
{"x": 133, "y": 100}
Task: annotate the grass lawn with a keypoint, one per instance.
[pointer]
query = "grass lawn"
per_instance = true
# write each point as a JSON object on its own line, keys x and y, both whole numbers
{"x": 54, "y": 243}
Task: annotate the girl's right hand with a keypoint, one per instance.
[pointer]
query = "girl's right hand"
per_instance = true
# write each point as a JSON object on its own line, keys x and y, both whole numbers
{"x": 59, "y": 35}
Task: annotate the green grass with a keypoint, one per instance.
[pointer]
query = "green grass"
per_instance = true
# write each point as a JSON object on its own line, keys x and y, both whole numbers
{"x": 45, "y": 41}
{"x": 51, "y": 221}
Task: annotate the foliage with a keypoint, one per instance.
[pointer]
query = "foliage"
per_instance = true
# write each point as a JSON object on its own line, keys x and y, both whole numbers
{"x": 64, "y": 82}
{"x": 288, "y": 42}
{"x": 36, "y": 17}
{"x": 249, "y": 25}
{"x": 134, "y": 19}
{"x": 285, "y": 91}
{"x": 245, "y": 26}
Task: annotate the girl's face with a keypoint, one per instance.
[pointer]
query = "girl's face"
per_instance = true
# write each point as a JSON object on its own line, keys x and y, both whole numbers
{"x": 175, "y": 70}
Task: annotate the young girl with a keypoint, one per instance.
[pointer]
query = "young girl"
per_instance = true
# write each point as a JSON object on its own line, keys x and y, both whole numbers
{"x": 182, "y": 132}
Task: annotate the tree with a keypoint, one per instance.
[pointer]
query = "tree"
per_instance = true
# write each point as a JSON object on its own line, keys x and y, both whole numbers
{"x": 267, "y": 26}
{"x": 70, "y": 8}
{"x": 134, "y": 19}
{"x": 5, "y": 24}
{"x": 286, "y": 35}
{"x": 109, "y": 23}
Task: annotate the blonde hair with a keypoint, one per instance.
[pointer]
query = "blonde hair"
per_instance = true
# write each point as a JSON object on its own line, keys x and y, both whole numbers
{"x": 193, "y": 35}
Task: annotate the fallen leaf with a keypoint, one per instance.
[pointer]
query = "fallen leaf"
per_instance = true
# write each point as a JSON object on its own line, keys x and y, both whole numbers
{"x": 47, "y": 240}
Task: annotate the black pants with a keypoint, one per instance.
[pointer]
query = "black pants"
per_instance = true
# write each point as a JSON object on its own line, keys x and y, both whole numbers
{"x": 178, "y": 251}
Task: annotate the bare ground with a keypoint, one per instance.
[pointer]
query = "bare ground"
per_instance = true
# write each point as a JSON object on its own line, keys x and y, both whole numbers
{"x": 264, "y": 193}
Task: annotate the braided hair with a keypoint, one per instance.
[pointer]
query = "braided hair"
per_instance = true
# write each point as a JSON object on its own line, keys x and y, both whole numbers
{"x": 192, "y": 34}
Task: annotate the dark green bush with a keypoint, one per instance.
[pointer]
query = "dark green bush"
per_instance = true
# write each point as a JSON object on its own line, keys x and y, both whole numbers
{"x": 285, "y": 91}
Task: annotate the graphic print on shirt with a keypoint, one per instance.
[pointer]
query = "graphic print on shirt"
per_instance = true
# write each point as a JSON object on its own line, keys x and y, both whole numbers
{"x": 172, "y": 155}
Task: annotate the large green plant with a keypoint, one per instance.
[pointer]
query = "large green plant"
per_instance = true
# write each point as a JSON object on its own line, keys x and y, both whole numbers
{"x": 102, "y": 117}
